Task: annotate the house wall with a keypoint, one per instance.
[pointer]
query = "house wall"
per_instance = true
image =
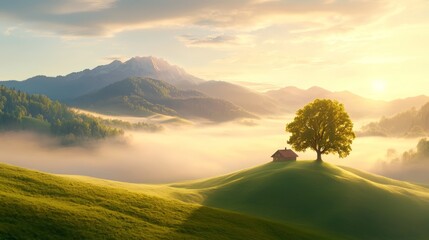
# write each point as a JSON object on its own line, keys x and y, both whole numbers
{"x": 281, "y": 159}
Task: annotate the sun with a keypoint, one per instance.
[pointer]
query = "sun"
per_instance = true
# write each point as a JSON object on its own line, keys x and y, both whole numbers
{"x": 379, "y": 86}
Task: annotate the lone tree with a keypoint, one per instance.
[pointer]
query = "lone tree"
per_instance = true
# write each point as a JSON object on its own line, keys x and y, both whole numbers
{"x": 323, "y": 126}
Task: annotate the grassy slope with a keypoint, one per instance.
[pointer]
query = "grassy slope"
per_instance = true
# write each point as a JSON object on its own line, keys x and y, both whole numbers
{"x": 341, "y": 200}
{"x": 35, "y": 205}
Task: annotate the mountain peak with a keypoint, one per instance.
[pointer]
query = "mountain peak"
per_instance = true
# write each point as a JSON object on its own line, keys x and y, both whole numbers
{"x": 154, "y": 64}
{"x": 83, "y": 82}
{"x": 116, "y": 61}
{"x": 317, "y": 89}
{"x": 145, "y": 60}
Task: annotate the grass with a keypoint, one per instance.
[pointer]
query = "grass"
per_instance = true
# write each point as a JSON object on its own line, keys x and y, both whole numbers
{"x": 36, "y": 205}
{"x": 340, "y": 200}
{"x": 295, "y": 200}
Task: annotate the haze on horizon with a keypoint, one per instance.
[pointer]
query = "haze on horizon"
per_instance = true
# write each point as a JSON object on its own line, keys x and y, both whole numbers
{"x": 175, "y": 154}
{"x": 371, "y": 48}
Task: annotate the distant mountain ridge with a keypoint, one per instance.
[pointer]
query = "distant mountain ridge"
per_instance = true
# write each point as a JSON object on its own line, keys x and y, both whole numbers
{"x": 77, "y": 84}
{"x": 291, "y": 99}
{"x": 146, "y": 96}
{"x": 241, "y": 96}
{"x": 285, "y": 100}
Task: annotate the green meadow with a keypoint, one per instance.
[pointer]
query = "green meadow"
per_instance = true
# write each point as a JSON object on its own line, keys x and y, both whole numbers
{"x": 339, "y": 200}
{"x": 295, "y": 200}
{"x": 42, "y": 206}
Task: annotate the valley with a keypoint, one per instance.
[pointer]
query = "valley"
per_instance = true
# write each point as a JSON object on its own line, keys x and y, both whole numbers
{"x": 250, "y": 119}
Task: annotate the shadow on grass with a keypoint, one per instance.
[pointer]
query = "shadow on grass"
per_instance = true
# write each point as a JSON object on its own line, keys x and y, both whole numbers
{"x": 208, "y": 223}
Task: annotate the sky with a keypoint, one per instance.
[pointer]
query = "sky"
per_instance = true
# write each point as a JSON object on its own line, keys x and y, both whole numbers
{"x": 375, "y": 48}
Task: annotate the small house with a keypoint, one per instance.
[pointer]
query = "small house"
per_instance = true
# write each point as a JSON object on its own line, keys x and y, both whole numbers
{"x": 284, "y": 155}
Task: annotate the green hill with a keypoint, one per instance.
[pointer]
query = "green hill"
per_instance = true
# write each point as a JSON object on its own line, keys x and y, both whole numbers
{"x": 337, "y": 199}
{"x": 35, "y": 205}
{"x": 296, "y": 200}
{"x": 21, "y": 111}
{"x": 146, "y": 96}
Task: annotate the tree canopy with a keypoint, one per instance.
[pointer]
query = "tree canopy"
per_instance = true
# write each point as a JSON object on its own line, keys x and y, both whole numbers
{"x": 323, "y": 126}
{"x": 19, "y": 110}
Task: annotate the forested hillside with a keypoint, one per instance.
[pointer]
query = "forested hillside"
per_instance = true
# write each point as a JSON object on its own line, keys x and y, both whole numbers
{"x": 21, "y": 111}
{"x": 411, "y": 123}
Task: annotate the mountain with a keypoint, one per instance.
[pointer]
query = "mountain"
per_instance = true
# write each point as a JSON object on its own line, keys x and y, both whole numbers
{"x": 36, "y": 205}
{"x": 145, "y": 96}
{"x": 80, "y": 83}
{"x": 292, "y": 99}
{"x": 340, "y": 200}
{"x": 251, "y": 101}
{"x": 411, "y": 123}
{"x": 285, "y": 100}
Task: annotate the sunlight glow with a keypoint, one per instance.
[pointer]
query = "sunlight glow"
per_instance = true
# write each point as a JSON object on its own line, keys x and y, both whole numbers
{"x": 379, "y": 86}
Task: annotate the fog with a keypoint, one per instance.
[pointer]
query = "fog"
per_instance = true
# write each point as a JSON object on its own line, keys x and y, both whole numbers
{"x": 178, "y": 154}
{"x": 412, "y": 165}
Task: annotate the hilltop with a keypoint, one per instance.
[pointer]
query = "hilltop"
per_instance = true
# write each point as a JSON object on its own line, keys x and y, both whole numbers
{"x": 36, "y": 205}
{"x": 339, "y": 200}
{"x": 295, "y": 200}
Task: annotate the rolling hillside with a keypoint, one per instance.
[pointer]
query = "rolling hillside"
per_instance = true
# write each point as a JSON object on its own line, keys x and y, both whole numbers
{"x": 339, "y": 200}
{"x": 296, "y": 200}
{"x": 42, "y": 206}
{"x": 145, "y": 97}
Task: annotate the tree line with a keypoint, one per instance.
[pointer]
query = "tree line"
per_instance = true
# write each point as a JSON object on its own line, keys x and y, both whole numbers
{"x": 19, "y": 110}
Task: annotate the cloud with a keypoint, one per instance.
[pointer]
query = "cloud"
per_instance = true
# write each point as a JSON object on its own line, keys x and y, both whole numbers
{"x": 188, "y": 152}
{"x": 411, "y": 165}
{"x": 215, "y": 40}
{"x": 9, "y": 31}
{"x": 118, "y": 57}
{"x": 79, "y": 6}
{"x": 100, "y": 17}
{"x": 178, "y": 154}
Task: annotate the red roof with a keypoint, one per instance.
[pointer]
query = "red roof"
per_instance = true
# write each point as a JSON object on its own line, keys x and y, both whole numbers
{"x": 286, "y": 153}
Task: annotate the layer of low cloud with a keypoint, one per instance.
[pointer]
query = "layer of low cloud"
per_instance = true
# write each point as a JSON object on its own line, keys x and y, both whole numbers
{"x": 178, "y": 154}
{"x": 96, "y": 17}
{"x": 411, "y": 165}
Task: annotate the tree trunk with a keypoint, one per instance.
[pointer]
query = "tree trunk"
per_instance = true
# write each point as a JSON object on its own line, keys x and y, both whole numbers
{"x": 319, "y": 156}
